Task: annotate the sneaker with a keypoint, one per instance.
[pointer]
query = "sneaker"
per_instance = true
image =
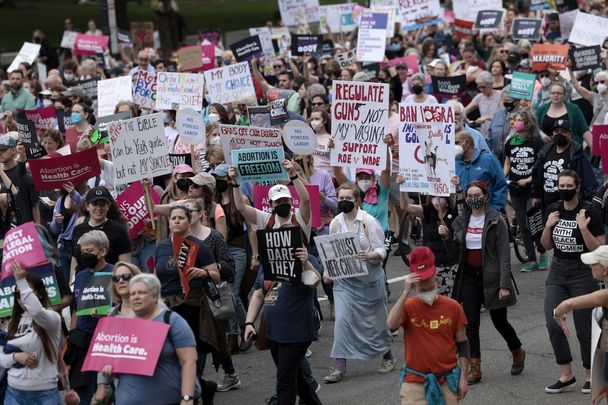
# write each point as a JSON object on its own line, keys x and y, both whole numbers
{"x": 529, "y": 267}
{"x": 308, "y": 353}
{"x": 559, "y": 386}
{"x": 230, "y": 382}
{"x": 586, "y": 388}
{"x": 387, "y": 366}
{"x": 335, "y": 377}
{"x": 543, "y": 261}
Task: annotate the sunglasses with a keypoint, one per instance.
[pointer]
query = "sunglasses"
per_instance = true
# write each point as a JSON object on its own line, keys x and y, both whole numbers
{"x": 124, "y": 277}
{"x": 401, "y": 68}
{"x": 601, "y": 81}
{"x": 317, "y": 104}
{"x": 193, "y": 185}
{"x": 277, "y": 66}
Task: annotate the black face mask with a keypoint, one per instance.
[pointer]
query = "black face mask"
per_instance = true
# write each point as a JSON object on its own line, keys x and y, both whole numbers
{"x": 282, "y": 210}
{"x": 221, "y": 185}
{"x": 183, "y": 184}
{"x": 524, "y": 55}
{"x": 417, "y": 89}
{"x": 567, "y": 194}
{"x": 561, "y": 139}
{"x": 88, "y": 260}
{"x": 509, "y": 106}
{"x": 346, "y": 206}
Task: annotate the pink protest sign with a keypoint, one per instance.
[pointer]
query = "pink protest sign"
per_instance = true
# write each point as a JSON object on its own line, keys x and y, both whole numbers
{"x": 208, "y": 51}
{"x": 129, "y": 345}
{"x": 52, "y": 173}
{"x": 410, "y": 61}
{"x": 261, "y": 201}
{"x": 604, "y": 155}
{"x": 44, "y": 118}
{"x": 22, "y": 244}
{"x": 600, "y": 138}
{"x": 133, "y": 206}
{"x": 85, "y": 44}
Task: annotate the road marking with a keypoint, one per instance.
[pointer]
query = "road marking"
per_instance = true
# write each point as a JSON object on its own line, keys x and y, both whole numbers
{"x": 390, "y": 281}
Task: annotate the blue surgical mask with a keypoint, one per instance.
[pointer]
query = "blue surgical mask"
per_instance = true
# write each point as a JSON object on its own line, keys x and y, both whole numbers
{"x": 395, "y": 47}
{"x": 76, "y": 118}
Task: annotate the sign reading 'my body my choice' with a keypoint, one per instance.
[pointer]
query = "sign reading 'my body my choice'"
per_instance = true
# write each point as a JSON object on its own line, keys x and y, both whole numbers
{"x": 226, "y": 84}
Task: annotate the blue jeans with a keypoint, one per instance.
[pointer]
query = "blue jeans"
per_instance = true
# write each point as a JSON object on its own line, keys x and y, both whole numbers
{"x": 240, "y": 266}
{"x": 65, "y": 258}
{"x": 14, "y": 396}
{"x": 141, "y": 259}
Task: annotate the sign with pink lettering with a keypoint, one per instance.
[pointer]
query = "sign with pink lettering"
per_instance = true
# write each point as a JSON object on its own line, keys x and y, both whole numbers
{"x": 133, "y": 206}
{"x": 22, "y": 244}
{"x": 144, "y": 90}
{"x": 261, "y": 201}
{"x": 86, "y": 44}
{"x": 44, "y": 118}
{"x": 129, "y": 345}
{"x": 52, "y": 173}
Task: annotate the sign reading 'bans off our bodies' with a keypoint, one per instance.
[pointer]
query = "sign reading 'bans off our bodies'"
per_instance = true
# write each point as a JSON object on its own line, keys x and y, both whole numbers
{"x": 426, "y": 148}
{"x": 338, "y": 253}
{"x": 359, "y": 120}
{"x": 234, "y": 137}
{"x": 226, "y": 84}
{"x": 132, "y": 205}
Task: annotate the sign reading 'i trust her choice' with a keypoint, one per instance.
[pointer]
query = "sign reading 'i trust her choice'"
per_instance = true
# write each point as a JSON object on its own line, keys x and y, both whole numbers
{"x": 338, "y": 253}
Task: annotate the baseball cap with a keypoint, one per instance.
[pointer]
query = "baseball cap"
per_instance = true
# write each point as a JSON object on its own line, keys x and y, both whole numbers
{"x": 434, "y": 62}
{"x": 599, "y": 255}
{"x": 422, "y": 262}
{"x": 182, "y": 168}
{"x": 279, "y": 191}
{"x": 7, "y": 142}
{"x": 73, "y": 91}
{"x": 204, "y": 179}
{"x": 563, "y": 124}
{"x": 99, "y": 193}
{"x": 525, "y": 63}
{"x": 220, "y": 170}
{"x": 361, "y": 77}
{"x": 46, "y": 92}
{"x": 367, "y": 171}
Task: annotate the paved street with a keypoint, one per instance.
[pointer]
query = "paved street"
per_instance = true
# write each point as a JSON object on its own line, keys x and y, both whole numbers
{"x": 365, "y": 386}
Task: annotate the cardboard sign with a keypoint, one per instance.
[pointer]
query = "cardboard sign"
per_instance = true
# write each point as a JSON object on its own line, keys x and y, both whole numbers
{"x": 68, "y": 39}
{"x": 299, "y": 137}
{"x": 468, "y": 9}
{"x": 261, "y": 201}
{"x": 22, "y": 244}
{"x": 303, "y": 44}
{"x": 259, "y": 164}
{"x": 226, "y": 84}
{"x": 234, "y": 137}
{"x": 186, "y": 252}
{"x": 346, "y": 59}
{"x": 277, "y": 249}
{"x": 103, "y": 123}
{"x": 359, "y": 121}
{"x": 338, "y": 254}
{"x": 89, "y": 87}
{"x": 599, "y": 139}
{"x": 278, "y": 111}
{"x": 110, "y": 92}
{"x": 208, "y": 51}
{"x": 139, "y": 149}
{"x": 463, "y": 29}
{"x": 144, "y": 92}
{"x": 190, "y": 58}
{"x": 26, "y": 131}
{"x": 296, "y": 12}
{"x": 53, "y": 173}
{"x": 179, "y": 90}
{"x": 449, "y": 85}
{"x": 426, "y": 148}
{"x": 549, "y": 56}
{"x": 27, "y": 53}
{"x": 132, "y": 205}
{"x": 129, "y": 345}
{"x": 190, "y": 126}
{"x": 247, "y": 49}
{"x": 371, "y": 42}
{"x": 64, "y": 121}
{"x": 488, "y": 19}
{"x": 588, "y": 57}
{"x": 95, "y": 297}
{"x": 142, "y": 34}
{"x": 86, "y": 44}
{"x": 526, "y": 28}
{"x": 43, "y": 118}
{"x": 589, "y": 30}
{"x": 418, "y": 13}
{"x": 566, "y": 22}
{"x": 522, "y": 85}
{"x": 336, "y": 18}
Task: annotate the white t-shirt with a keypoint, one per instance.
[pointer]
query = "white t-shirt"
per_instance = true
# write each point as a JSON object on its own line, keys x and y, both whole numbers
{"x": 475, "y": 232}
{"x": 262, "y": 219}
{"x": 411, "y": 99}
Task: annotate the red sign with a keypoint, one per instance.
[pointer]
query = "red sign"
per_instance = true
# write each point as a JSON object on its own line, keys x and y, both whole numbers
{"x": 132, "y": 204}
{"x": 44, "y": 118}
{"x": 129, "y": 345}
{"x": 186, "y": 251}
{"x": 463, "y": 29}
{"x": 208, "y": 51}
{"x": 52, "y": 173}
{"x": 22, "y": 244}
{"x": 549, "y": 56}
{"x": 600, "y": 139}
{"x": 261, "y": 201}
{"x": 86, "y": 44}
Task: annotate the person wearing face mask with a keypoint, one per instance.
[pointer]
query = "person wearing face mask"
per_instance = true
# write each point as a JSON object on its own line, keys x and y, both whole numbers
{"x": 484, "y": 276}
{"x": 500, "y": 126}
{"x": 319, "y": 121}
{"x": 462, "y": 125}
{"x": 176, "y": 190}
{"x": 488, "y": 101}
{"x": 573, "y": 227}
{"x": 418, "y": 83}
{"x": 547, "y": 79}
{"x": 18, "y": 98}
{"x": 81, "y": 128}
{"x": 47, "y": 54}
{"x": 443, "y": 352}
{"x": 598, "y": 98}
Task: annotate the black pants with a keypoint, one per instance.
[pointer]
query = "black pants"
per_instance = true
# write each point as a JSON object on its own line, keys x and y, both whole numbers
{"x": 472, "y": 299}
{"x": 291, "y": 382}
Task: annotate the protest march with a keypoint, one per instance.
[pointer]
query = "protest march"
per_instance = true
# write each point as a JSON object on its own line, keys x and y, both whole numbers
{"x": 175, "y": 196}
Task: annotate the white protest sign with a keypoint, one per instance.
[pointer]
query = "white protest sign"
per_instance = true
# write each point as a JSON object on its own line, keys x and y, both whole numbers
{"x": 359, "y": 119}
{"x": 467, "y": 9}
{"x": 426, "y": 148}
{"x": 371, "y": 42}
{"x": 226, "y": 84}
{"x": 566, "y": 21}
{"x": 179, "y": 90}
{"x": 144, "y": 92}
{"x": 589, "y": 30}
{"x": 299, "y": 137}
{"x": 392, "y": 11}
{"x": 338, "y": 254}
{"x": 336, "y": 18}
{"x": 68, "y": 39}
{"x": 345, "y": 59}
{"x": 235, "y": 137}
{"x": 27, "y": 53}
{"x": 265, "y": 39}
{"x": 110, "y": 92}
{"x": 139, "y": 149}
{"x": 293, "y": 12}
{"x": 190, "y": 126}
{"x": 417, "y": 13}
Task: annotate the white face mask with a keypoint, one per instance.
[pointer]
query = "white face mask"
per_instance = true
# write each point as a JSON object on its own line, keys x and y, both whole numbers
{"x": 365, "y": 185}
{"x": 545, "y": 81}
{"x": 429, "y": 297}
{"x": 68, "y": 76}
{"x": 46, "y": 102}
{"x": 213, "y": 118}
{"x": 316, "y": 125}
{"x": 458, "y": 151}
{"x": 601, "y": 88}
{"x": 215, "y": 140}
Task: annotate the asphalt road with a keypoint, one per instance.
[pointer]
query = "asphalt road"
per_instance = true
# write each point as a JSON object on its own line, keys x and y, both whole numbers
{"x": 365, "y": 386}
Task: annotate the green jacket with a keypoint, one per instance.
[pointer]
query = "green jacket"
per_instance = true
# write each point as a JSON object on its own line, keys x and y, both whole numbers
{"x": 575, "y": 116}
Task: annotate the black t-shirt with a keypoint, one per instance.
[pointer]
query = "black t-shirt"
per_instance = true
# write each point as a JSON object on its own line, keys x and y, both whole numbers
{"x": 566, "y": 235}
{"x": 236, "y": 233}
{"x": 27, "y": 196}
{"x": 549, "y": 121}
{"x": 522, "y": 158}
{"x": 117, "y": 236}
{"x": 431, "y": 237}
{"x": 554, "y": 164}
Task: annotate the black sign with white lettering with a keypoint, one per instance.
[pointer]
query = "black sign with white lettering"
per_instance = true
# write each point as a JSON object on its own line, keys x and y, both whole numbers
{"x": 180, "y": 159}
{"x": 103, "y": 123}
{"x": 247, "y": 49}
{"x": 277, "y": 249}
{"x": 585, "y": 58}
{"x": 526, "y": 28}
{"x": 27, "y": 136}
{"x": 64, "y": 121}
{"x": 449, "y": 85}
{"x": 278, "y": 111}
{"x": 488, "y": 19}
{"x": 89, "y": 87}
{"x": 302, "y": 44}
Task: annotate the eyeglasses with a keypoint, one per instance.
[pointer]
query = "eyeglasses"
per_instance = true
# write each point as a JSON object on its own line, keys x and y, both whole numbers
{"x": 123, "y": 277}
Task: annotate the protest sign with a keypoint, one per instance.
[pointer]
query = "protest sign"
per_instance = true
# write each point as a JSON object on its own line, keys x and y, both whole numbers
{"x": 391, "y": 7}
{"x": 129, "y": 345}
{"x": 278, "y": 111}
{"x": 261, "y": 201}
{"x": 142, "y": 34}
{"x": 247, "y": 49}
{"x": 180, "y": 159}
{"x": 522, "y": 85}
{"x": 536, "y": 222}
{"x": 599, "y": 139}
{"x": 110, "y": 92}
{"x": 64, "y": 121}
{"x": 259, "y": 164}
{"x": 259, "y": 116}
{"x": 426, "y": 148}
{"x": 139, "y": 149}
{"x": 43, "y": 118}
{"x": 27, "y": 53}
{"x": 234, "y": 137}
{"x": 190, "y": 126}
{"x": 190, "y": 58}
{"x": 338, "y": 254}
{"x": 208, "y": 51}
{"x": 144, "y": 92}
{"x": 488, "y": 19}
{"x": 549, "y": 56}
{"x": 103, "y": 123}
{"x": 449, "y": 85}
{"x": 359, "y": 120}
{"x": 566, "y": 21}
{"x": 463, "y": 29}
{"x": 336, "y": 18}
{"x": 22, "y": 244}
{"x": 371, "y": 42}
{"x": 277, "y": 249}
{"x": 294, "y": 12}
{"x": 301, "y": 44}
{"x": 265, "y": 37}
{"x": 299, "y": 137}
{"x": 411, "y": 61}
{"x": 89, "y": 87}
{"x": 589, "y": 30}
{"x": 210, "y": 36}
{"x": 68, "y": 39}
{"x": 418, "y": 13}
{"x": 604, "y": 159}
{"x": 7, "y": 288}
{"x": 179, "y": 90}
{"x": 26, "y": 131}
{"x": 87, "y": 44}
{"x": 346, "y": 59}
{"x": 53, "y": 173}
{"x": 588, "y": 57}
{"x": 133, "y": 206}
{"x": 226, "y": 84}
{"x": 540, "y": 4}
{"x": 468, "y": 9}
{"x": 526, "y": 28}
{"x": 95, "y": 297}
{"x": 185, "y": 251}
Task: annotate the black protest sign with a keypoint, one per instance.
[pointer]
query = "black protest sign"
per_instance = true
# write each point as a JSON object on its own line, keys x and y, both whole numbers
{"x": 258, "y": 115}
{"x": 302, "y": 44}
{"x": 180, "y": 159}
{"x": 277, "y": 249}
{"x": 585, "y": 58}
{"x": 27, "y": 136}
{"x": 95, "y": 296}
{"x": 278, "y": 111}
{"x": 449, "y": 85}
{"x": 327, "y": 48}
{"x": 371, "y": 68}
{"x": 526, "y": 28}
{"x": 535, "y": 222}
{"x": 103, "y": 123}
{"x": 89, "y": 87}
{"x": 247, "y": 49}
{"x": 488, "y": 19}
{"x": 64, "y": 121}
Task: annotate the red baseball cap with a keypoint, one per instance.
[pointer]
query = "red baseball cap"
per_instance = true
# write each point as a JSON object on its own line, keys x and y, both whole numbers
{"x": 422, "y": 262}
